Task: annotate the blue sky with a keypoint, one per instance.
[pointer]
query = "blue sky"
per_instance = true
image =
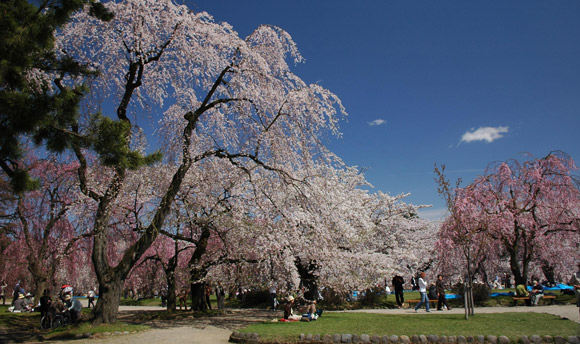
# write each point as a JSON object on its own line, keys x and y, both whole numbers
{"x": 459, "y": 83}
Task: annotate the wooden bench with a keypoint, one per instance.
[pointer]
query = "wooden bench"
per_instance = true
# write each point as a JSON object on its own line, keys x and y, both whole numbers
{"x": 417, "y": 301}
{"x": 548, "y": 297}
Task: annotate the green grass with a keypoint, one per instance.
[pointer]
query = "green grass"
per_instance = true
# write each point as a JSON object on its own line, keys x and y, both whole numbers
{"x": 512, "y": 325}
{"x": 140, "y": 302}
{"x": 17, "y": 320}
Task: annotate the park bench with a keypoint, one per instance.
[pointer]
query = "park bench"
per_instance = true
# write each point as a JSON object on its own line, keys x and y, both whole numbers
{"x": 548, "y": 297}
{"x": 418, "y": 300}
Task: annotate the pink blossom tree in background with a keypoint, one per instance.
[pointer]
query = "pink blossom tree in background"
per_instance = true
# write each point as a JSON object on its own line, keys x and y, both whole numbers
{"x": 44, "y": 232}
{"x": 231, "y": 98}
{"x": 531, "y": 204}
{"x": 7, "y": 231}
{"x": 524, "y": 211}
{"x": 170, "y": 256}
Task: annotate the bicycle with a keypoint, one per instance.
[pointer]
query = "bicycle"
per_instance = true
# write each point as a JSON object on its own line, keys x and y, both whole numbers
{"x": 54, "y": 320}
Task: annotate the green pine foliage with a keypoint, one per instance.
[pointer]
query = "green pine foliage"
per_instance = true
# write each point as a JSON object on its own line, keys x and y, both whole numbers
{"x": 49, "y": 117}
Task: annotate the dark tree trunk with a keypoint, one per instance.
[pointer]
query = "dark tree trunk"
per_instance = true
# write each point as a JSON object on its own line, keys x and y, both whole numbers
{"x": 519, "y": 277}
{"x": 107, "y": 307}
{"x": 197, "y": 272}
{"x": 308, "y": 279}
{"x": 198, "y": 296}
{"x": 548, "y": 271}
{"x": 171, "y": 291}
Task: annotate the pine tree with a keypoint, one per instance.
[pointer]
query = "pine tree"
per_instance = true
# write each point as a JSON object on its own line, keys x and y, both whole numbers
{"x": 32, "y": 108}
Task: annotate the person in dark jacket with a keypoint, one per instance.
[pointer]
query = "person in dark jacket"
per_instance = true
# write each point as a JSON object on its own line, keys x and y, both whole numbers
{"x": 398, "y": 283}
{"x": 45, "y": 303}
{"x": 441, "y": 294}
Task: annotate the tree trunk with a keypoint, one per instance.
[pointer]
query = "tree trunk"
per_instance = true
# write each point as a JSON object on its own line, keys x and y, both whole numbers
{"x": 171, "y": 289}
{"x": 39, "y": 277}
{"x": 41, "y": 286}
{"x": 197, "y": 272}
{"x": 308, "y": 278}
{"x": 548, "y": 271}
{"x": 198, "y": 296}
{"x": 519, "y": 278}
{"x": 107, "y": 307}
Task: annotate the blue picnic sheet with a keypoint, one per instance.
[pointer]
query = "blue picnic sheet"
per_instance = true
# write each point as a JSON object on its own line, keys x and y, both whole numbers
{"x": 557, "y": 287}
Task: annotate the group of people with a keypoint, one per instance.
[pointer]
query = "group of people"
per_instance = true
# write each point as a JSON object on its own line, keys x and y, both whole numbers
{"x": 21, "y": 300}
{"x": 428, "y": 292}
{"x": 306, "y": 309}
{"x": 535, "y": 294}
{"x": 435, "y": 291}
{"x": 64, "y": 303}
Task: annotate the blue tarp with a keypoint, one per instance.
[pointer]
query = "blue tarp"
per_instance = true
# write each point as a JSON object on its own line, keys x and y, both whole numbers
{"x": 452, "y": 296}
{"x": 557, "y": 287}
{"x": 502, "y": 294}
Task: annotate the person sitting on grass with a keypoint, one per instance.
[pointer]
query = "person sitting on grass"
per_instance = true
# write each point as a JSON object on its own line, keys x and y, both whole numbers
{"x": 288, "y": 311}
{"x": 308, "y": 307}
{"x": 29, "y": 299}
{"x": 20, "y": 304}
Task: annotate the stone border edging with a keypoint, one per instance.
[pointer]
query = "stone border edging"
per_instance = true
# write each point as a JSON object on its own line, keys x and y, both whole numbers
{"x": 252, "y": 338}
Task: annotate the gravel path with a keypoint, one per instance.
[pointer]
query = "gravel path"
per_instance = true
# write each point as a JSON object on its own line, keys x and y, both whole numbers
{"x": 218, "y": 329}
{"x": 184, "y": 334}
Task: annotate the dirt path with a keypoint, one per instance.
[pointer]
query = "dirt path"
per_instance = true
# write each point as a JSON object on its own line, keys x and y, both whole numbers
{"x": 184, "y": 334}
{"x": 215, "y": 329}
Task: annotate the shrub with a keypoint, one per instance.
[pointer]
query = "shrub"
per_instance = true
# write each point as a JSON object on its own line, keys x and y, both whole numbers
{"x": 370, "y": 297}
{"x": 480, "y": 291}
{"x": 256, "y": 299}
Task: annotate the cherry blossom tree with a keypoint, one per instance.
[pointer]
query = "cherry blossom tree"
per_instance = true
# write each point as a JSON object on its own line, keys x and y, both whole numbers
{"x": 523, "y": 210}
{"x": 42, "y": 229}
{"x": 332, "y": 232}
{"x": 171, "y": 255}
{"x": 231, "y": 98}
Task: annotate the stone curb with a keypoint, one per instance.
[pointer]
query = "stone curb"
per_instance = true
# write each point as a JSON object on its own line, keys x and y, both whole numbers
{"x": 251, "y": 338}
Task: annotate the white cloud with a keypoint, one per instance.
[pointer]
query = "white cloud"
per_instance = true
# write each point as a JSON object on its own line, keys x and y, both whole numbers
{"x": 488, "y": 134}
{"x": 377, "y": 122}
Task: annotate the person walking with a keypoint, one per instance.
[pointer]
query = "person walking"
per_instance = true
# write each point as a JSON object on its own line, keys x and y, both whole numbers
{"x": 422, "y": 284}
{"x": 575, "y": 282}
{"x": 273, "y": 300}
{"x": 398, "y": 283}
{"x": 220, "y": 294}
{"x": 441, "y": 294}
{"x": 91, "y": 296}
{"x": 3, "y": 286}
{"x": 208, "y": 294}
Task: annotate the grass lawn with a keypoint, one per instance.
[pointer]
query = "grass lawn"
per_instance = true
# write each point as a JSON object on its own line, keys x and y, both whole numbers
{"x": 512, "y": 325}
